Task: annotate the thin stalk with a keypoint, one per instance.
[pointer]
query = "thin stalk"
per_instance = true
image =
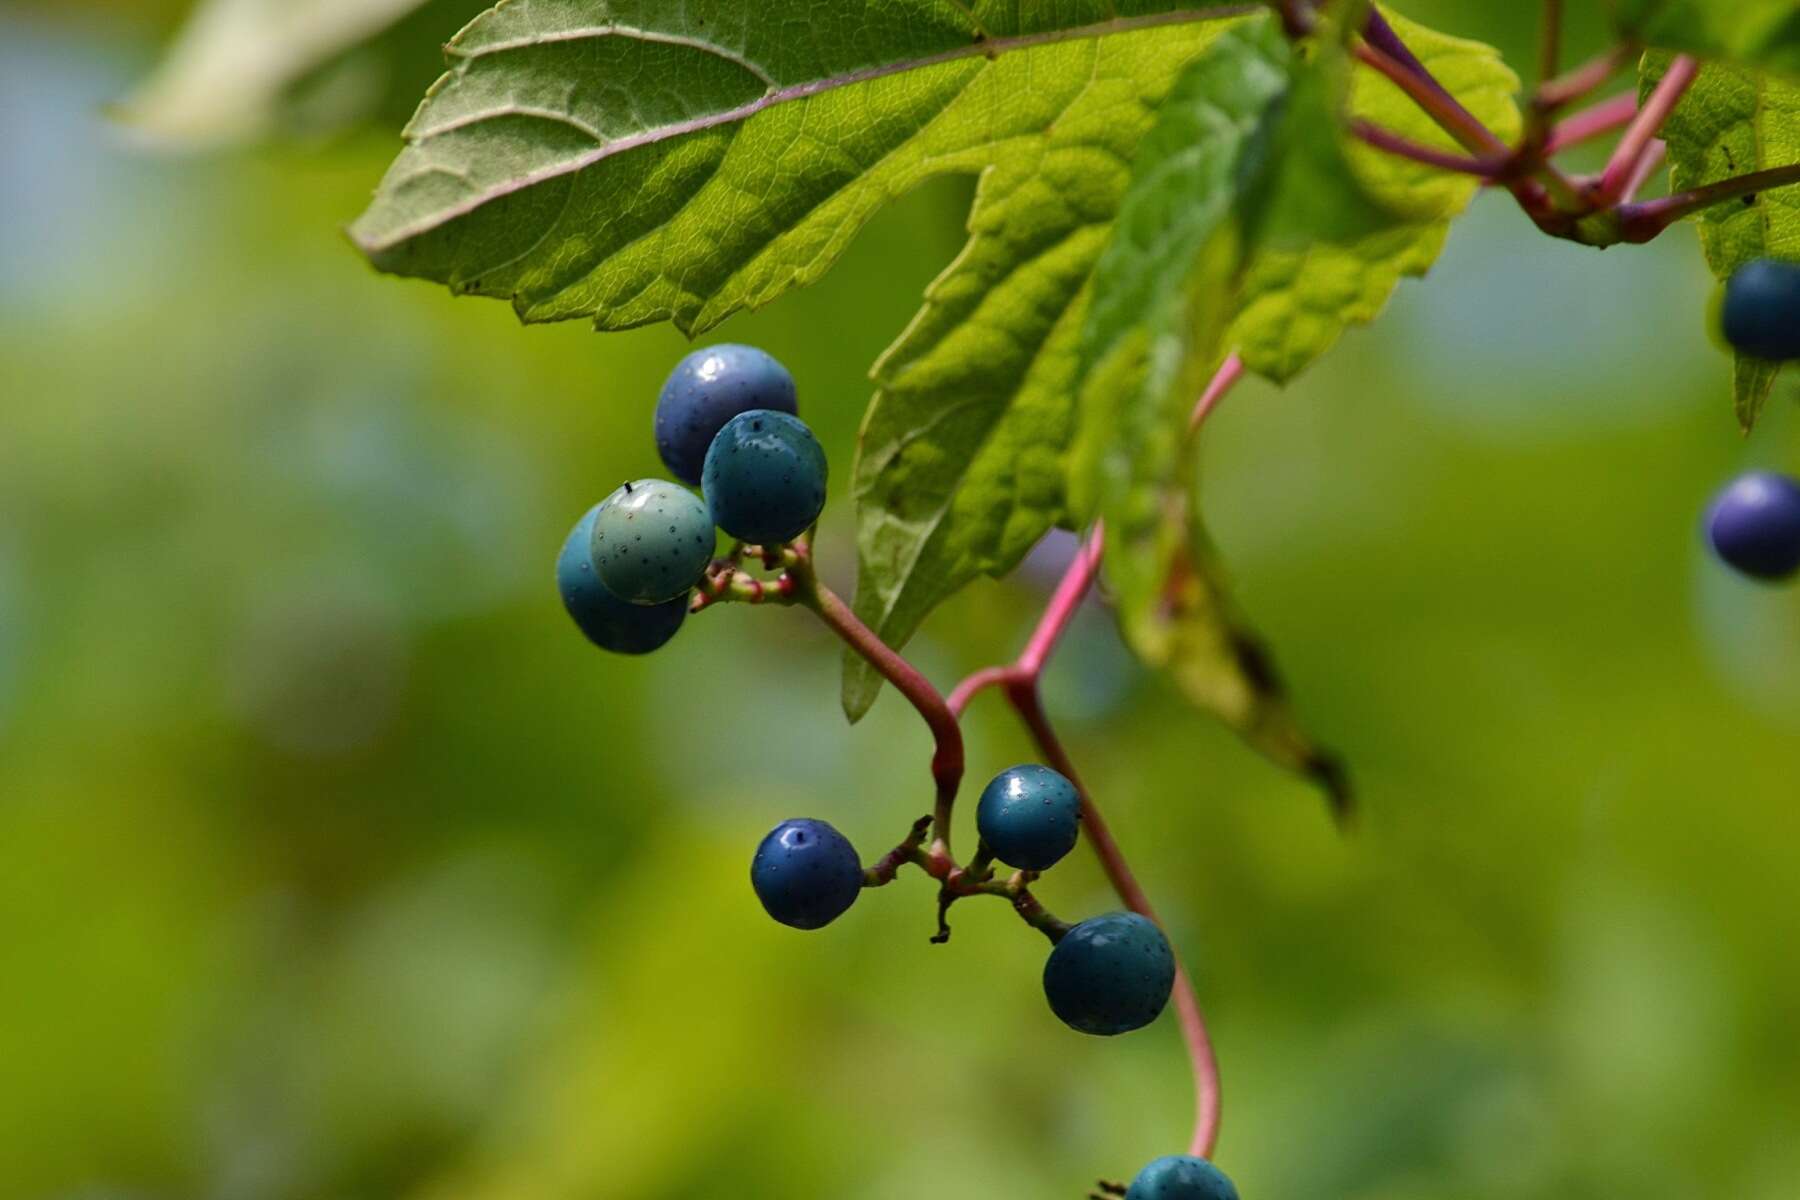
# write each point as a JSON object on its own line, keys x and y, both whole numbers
{"x": 1438, "y": 104}
{"x": 1550, "y": 40}
{"x": 1404, "y": 147}
{"x": 1564, "y": 90}
{"x": 1642, "y": 221}
{"x": 1642, "y": 131}
{"x": 947, "y": 759}
{"x": 1591, "y": 123}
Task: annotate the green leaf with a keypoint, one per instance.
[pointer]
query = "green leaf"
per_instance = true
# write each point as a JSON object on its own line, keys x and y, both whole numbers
{"x": 240, "y": 69}
{"x": 1303, "y": 291}
{"x": 684, "y": 159}
{"x": 1763, "y": 33}
{"x": 962, "y": 460}
{"x": 1246, "y": 160}
{"x": 1733, "y": 121}
{"x": 961, "y": 464}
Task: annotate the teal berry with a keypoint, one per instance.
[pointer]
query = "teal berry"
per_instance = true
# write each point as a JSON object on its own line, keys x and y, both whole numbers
{"x": 1110, "y": 974}
{"x": 806, "y": 874}
{"x": 1181, "y": 1177}
{"x": 1761, "y": 313}
{"x": 764, "y": 478}
{"x": 707, "y": 389}
{"x": 609, "y": 622}
{"x": 652, "y": 541}
{"x": 1029, "y": 816}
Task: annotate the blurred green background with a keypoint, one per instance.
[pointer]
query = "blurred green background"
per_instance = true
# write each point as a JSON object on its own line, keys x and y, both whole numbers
{"x": 334, "y": 864}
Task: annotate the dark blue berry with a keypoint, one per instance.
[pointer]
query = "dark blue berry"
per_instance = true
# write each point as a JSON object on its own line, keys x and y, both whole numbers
{"x": 707, "y": 389}
{"x": 1110, "y": 974}
{"x": 1754, "y": 525}
{"x": 806, "y": 874}
{"x": 1761, "y": 317}
{"x": 1181, "y": 1177}
{"x": 609, "y": 622}
{"x": 1029, "y": 816}
{"x": 652, "y": 541}
{"x": 764, "y": 478}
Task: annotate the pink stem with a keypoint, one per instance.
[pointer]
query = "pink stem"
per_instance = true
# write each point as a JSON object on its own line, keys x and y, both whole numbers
{"x": 1653, "y": 158}
{"x": 1064, "y": 603}
{"x": 1431, "y": 156}
{"x": 1642, "y": 131}
{"x": 1020, "y": 679}
{"x": 1590, "y": 123}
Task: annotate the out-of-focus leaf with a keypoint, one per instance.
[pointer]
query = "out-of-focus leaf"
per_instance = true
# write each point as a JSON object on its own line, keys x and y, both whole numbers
{"x": 1247, "y": 156}
{"x": 1762, "y": 33}
{"x": 1302, "y": 291}
{"x": 1733, "y": 121}
{"x": 238, "y": 64}
{"x": 960, "y": 467}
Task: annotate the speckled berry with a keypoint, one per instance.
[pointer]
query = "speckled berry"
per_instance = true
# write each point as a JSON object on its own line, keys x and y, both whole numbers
{"x": 806, "y": 874}
{"x": 1754, "y": 525}
{"x": 764, "y": 478}
{"x": 609, "y": 622}
{"x": 1761, "y": 313}
{"x": 1029, "y": 816}
{"x": 652, "y": 541}
{"x": 707, "y": 389}
{"x": 1110, "y": 974}
{"x": 1181, "y": 1177}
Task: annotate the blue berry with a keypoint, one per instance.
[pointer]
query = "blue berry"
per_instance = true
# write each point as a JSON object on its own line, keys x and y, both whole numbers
{"x": 764, "y": 478}
{"x": 652, "y": 541}
{"x": 1181, "y": 1177}
{"x": 707, "y": 389}
{"x": 806, "y": 874}
{"x": 1110, "y": 974}
{"x": 1029, "y": 816}
{"x": 1761, "y": 316}
{"x": 1754, "y": 525}
{"x": 609, "y": 622}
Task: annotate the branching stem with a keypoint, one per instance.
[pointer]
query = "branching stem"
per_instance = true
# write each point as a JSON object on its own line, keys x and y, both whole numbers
{"x": 1626, "y": 158}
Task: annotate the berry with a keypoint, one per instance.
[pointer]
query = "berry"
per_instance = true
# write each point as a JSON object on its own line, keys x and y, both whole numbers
{"x": 609, "y": 622}
{"x": 707, "y": 389}
{"x": 652, "y": 541}
{"x": 1181, "y": 1177}
{"x": 1029, "y": 816}
{"x": 1110, "y": 974}
{"x": 764, "y": 478}
{"x": 1761, "y": 315}
{"x": 1754, "y": 525}
{"x": 806, "y": 874}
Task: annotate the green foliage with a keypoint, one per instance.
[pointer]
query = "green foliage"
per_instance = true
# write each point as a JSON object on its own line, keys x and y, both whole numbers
{"x": 1733, "y": 121}
{"x": 1762, "y": 33}
{"x": 961, "y": 466}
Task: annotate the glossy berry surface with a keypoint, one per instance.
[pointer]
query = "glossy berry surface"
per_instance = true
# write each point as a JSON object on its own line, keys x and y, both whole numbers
{"x": 707, "y": 389}
{"x": 806, "y": 874}
{"x": 1110, "y": 974}
{"x": 1761, "y": 316}
{"x": 1181, "y": 1177}
{"x": 609, "y": 622}
{"x": 1029, "y": 816}
{"x": 1754, "y": 525}
{"x": 764, "y": 478}
{"x": 652, "y": 541}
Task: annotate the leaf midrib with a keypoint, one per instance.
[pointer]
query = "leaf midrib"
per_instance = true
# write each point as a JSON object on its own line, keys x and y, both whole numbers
{"x": 990, "y": 48}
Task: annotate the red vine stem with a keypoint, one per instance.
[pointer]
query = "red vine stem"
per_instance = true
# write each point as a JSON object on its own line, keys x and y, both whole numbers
{"x": 1020, "y": 681}
{"x": 1643, "y": 221}
{"x": 1590, "y": 123}
{"x": 1624, "y": 164}
{"x": 947, "y": 759}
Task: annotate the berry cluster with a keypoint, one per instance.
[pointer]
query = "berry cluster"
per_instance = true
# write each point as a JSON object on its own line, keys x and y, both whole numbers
{"x": 641, "y": 560}
{"x": 1754, "y": 524}
{"x": 725, "y": 420}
